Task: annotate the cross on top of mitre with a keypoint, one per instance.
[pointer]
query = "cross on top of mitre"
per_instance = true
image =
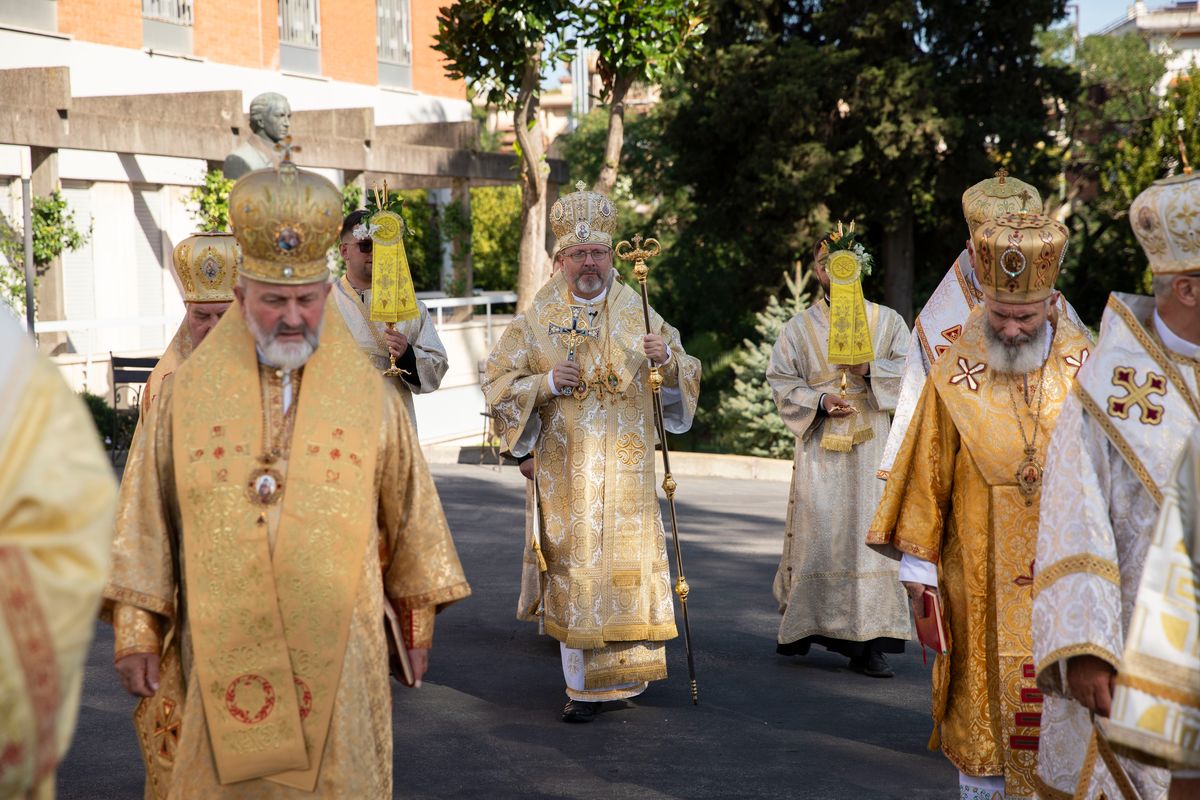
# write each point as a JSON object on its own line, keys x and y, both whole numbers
{"x": 286, "y": 147}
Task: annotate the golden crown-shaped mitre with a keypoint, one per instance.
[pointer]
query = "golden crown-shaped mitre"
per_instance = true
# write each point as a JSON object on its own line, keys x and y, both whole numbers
{"x": 1166, "y": 221}
{"x": 207, "y": 266}
{"x": 582, "y": 217}
{"x": 1018, "y": 256}
{"x": 998, "y": 196}
{"x": 285, "y": 220}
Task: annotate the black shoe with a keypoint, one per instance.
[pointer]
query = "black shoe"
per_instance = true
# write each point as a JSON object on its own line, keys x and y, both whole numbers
{"x": 579, "y": 711}
{"x": 873, "y": 665}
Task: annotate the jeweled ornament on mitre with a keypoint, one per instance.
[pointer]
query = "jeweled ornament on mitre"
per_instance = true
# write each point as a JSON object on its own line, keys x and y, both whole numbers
{"x": 582, "y": 217}
{"x": 1018, "y": 256}
{"x": 207, "y": 265}
{"x": 285, "y": 219}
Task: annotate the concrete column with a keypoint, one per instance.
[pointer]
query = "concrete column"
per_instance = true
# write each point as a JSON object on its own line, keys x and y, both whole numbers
{"x": 460, "y": 241}
{"x": 51, "y": 305}
{"x": 441, "y": 198}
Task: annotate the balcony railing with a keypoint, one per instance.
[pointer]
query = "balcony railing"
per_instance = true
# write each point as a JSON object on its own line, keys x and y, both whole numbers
{"x": 178, "y": 12}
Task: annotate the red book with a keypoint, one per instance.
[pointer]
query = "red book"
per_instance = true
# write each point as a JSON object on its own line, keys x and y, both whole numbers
{"x": 931, "y": 630}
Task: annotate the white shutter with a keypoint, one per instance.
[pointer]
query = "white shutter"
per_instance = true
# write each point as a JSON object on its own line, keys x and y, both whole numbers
{"x": 147, "y": 248}
{"x": 78, "y": 277}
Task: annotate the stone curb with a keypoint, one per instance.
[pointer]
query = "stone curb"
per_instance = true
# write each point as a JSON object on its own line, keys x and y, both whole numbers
{"x": 697, "y": 465}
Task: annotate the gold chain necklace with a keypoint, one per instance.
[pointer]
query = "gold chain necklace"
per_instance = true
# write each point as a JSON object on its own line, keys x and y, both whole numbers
{"x": 1029, "y": 471}
{"x": 265, "y": 485}
{"x": 605, "y": 378}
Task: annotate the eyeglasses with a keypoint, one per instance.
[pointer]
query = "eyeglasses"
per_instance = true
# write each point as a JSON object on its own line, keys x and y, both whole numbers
{"x": 598, "y": 255}
{"x": 365, "y": 245}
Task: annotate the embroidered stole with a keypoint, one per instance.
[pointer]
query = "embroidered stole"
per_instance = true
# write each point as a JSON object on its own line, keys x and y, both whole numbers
{"x": 1137, "y": 392}
{"x": 269, "y": 625}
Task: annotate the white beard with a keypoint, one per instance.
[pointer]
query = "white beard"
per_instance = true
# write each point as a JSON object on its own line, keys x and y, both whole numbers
{"x": 287, "y": 356}
{"x": 1019, "y": 358}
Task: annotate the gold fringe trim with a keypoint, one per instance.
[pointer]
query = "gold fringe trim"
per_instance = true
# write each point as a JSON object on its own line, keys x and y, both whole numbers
{"x": 1160, "y": 690}
{"x": 611, "y": 634}
{"x": 840, "y": 443}
{"x": 615, "y": 677}
{"x": 1081, "y": 563}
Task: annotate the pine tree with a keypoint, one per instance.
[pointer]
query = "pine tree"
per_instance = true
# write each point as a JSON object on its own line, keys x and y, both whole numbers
{"x": 747, "y": 415}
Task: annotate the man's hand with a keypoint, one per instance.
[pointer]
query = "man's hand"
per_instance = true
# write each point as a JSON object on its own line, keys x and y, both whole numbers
{"x": 655, "y": 348}
{"x": 565, "y": 375}
{"x": 915, "y": 592}
{"x": 860, "y": 370}
{"x": 1091, "y": 681}
{"x": 418, "y": 657}
{"x": 138, "y": 673}
{"x": 397, "y": 342}
{"x": 526, "y": 468}
{"x": 836, "y": 406}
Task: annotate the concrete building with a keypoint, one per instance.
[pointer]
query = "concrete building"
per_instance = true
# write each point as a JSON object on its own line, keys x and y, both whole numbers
{"x": 125, "y": 104}
{"x": 1170, "y": 29}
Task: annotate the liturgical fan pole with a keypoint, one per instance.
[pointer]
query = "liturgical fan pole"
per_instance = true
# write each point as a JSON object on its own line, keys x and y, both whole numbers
{"x": 638, "y": 256}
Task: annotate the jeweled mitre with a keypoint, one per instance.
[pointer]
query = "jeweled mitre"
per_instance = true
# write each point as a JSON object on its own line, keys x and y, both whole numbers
{"x": 998, "y": 196}
{"x": 1018, "y": 256}
{"x": 207, "y": 266}
{"x": 583, "y": 217}
{"x": 285, "y": 219}
{"x": 1166, "y": 221}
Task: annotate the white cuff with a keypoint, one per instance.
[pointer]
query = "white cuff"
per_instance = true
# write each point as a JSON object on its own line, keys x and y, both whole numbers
{"x": 917, "y": 570}
{"x": 550, "y": 383}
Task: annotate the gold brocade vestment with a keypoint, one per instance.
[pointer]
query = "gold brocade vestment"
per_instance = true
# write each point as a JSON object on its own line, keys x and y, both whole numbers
{"x": 56, "y": 500}
{"x": 952, "y": 498}
{"x": 280, "y": 605}
{"x": 608, "y": 582}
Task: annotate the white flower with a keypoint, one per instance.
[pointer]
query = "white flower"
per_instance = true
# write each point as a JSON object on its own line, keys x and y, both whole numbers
{"x": 364, "y": 231}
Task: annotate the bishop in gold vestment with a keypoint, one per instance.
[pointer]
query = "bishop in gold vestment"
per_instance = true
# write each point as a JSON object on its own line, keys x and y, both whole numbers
{"x": 282, "y": 500}
{"x": 56, "y": 500}
{"x": 961, "y": 503}
{"x": 832, "y": 589}
{"x": 1129, "y": 417}
{"x": 568, "y": 382}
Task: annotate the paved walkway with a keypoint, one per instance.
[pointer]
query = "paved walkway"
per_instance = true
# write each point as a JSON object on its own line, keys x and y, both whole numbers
{"x": 485, "y": 724}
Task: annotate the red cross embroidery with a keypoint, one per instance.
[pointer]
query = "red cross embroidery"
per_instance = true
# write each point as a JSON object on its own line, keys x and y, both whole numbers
{"x": 968, "y": 374}
{"x": 1137, "y": 395}
{"x": 166, "y": 728}
{"x": 1078, "y": 361}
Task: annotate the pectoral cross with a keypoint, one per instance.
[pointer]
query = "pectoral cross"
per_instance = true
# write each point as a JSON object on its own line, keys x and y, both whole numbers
{"x": 574, "y": 336}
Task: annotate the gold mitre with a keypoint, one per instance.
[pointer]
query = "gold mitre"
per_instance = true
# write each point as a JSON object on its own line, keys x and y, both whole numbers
{"x": 582, "y": 217}
{"x": 998, "y": 196}
{"x": 207, "y": 266}
{"x": 285, "y": 219}
{"x": 1165, "y": 221}
{"x": 1018, "y": 256}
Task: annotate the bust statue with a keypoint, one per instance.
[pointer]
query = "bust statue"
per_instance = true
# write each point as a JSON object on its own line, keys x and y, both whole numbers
{"x": 270, "y": 121}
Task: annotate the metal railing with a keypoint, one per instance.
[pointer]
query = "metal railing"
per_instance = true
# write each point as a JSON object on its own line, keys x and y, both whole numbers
{"x": 393, "y": 37}
{"x": 178, "y": 12}
{"x": 438, "y": 305}
{"x": 300, "y": 23}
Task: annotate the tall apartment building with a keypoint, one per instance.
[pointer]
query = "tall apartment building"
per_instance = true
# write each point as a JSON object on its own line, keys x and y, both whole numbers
{"x": 373, "y": 58}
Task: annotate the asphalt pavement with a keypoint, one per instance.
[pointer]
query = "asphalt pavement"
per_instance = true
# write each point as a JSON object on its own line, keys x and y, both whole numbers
{"x": 485, "y": 724}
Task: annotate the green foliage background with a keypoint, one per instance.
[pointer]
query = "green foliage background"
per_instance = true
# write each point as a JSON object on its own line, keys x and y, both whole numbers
{"x": 54, "y": 231}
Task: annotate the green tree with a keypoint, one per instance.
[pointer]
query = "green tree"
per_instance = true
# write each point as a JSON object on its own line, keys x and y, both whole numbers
{"x": 496, "y": 236}
{"x": 635, "y": 42}
{"x": 746, "y": 415}
{"x": 54, "y": 231}
{"x": 502, "y": 54}
{"x": 209, "y": 202}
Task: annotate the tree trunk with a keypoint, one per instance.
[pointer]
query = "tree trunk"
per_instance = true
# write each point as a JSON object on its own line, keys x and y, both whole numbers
{"x": 898, "y": 263}
{"x": 533, "y": 261}
{"x": 616, "y": 135}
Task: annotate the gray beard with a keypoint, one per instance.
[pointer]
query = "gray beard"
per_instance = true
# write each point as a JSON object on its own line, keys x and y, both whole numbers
{"x": 1018, "y": 358}
{"x": 589, "y": 284}
{"x": 287, "y": 356}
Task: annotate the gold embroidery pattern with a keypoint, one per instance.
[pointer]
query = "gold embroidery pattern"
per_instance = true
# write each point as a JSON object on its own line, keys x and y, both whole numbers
{"x": 1118, "y": 441}
{"x": 1086, "y": 563}
{"x": 631, "y": 449}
